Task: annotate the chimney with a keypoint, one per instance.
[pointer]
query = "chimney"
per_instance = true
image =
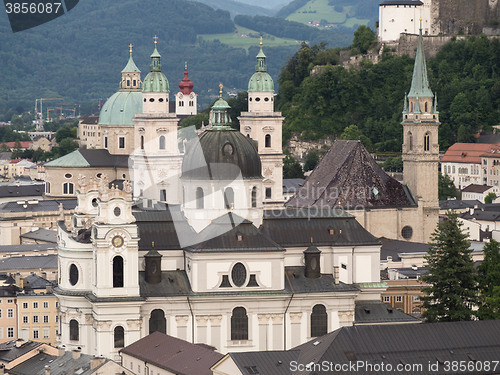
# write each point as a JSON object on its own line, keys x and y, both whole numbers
{"x": 17, "y": 277}
{"x": 19, "y": 343}
{"x": 48, "y": 288}
{"x": 76, "y": 353}
{"x": 96, "y": 362}
{"x": 336, "y": 274}
{"x": 47, "y": 370}
{"x": 2, "y": 369}
{"x": 44, "y": 275}
{"x": 62, "y": 350}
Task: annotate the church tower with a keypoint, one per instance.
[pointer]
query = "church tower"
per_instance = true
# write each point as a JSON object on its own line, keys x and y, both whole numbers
{"x": 264, "y": 125}
{"x": 186, "y": 99}
{"x": 420, "y": 143}
{"x": 156, "y": 157}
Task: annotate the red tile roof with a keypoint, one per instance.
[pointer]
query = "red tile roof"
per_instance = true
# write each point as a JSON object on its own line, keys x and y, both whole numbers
{"x": 173, "y": 354}
{"x": 24, "y": 144}
{"x": 467, "y": 153}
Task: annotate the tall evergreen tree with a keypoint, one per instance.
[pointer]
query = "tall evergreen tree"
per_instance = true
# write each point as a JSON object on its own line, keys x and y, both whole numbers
{"x": 451, "y": 280}
{"x": 489, "y": 282}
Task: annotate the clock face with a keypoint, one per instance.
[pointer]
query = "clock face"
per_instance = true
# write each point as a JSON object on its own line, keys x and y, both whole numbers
{"x": 191, "y": 95}
{"x": 117, "y": 241}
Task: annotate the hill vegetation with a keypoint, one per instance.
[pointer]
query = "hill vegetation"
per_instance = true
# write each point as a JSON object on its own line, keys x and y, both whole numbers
{"x": 320, "y": 98}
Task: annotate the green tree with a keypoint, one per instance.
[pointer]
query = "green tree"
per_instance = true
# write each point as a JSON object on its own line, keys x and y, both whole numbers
{"x": 489, "y": 198}
{"x": 291, "y": 167}
{"x": 446, "y": 187}
{"x": 4, "y": 148}
{"x": 353, "y": 132}
{"x": 67, "y": 145}
{"x": 489, "y": 282}
{"x": 311, "y": 160}
{"x": 451, "y": 278}
{"x": 364, "y": 37}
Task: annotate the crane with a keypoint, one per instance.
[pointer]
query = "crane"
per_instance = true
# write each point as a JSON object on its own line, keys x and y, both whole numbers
{"x": 39, "y": 114}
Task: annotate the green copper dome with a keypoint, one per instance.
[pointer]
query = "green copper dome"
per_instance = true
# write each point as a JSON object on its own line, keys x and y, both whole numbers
{"x": 261, "y": 81}
{"x": 220, "y": 115}
{"x": 121, "y": 108}
{"x": 131, "y": 67}
{"x": 155, "y": 81}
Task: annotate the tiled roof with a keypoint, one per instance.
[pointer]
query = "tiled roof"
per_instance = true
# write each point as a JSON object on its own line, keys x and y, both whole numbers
{"x": 29, "y": 262}
{"x": 9, "y": 351}
{"x": 481, "y": 215}
{"x": 296, "y": 282}
{"x": 92, "y": 120}
{"x": 489, "y": 138}
{"x": 473, "y": 188}
{"x": 173, "y": 354}
{"x": 275, "y": 362}
{"x": 21, "y": 191}
{"x": 91, "y": 158}
{"x": 466, "y": 153}
{"x": 36, "y": 282}
{"x": 292, "y": 185}
{"x": 377, "y": 312}
{"x": 41, "y": 234}
{"x": 347, "y": 176}
{"x": 26, "y": 248}
{"x": 41, "y": 206}
{"x": 395, "y": 247}
{"x": 456, "y": 204}
{"x": 24, "y": 144}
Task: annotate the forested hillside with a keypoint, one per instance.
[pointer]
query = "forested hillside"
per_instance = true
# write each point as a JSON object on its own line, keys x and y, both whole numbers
{"x": 465, "y": 75}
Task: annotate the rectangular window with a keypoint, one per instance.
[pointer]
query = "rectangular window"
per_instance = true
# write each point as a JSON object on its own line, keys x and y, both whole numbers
{"x": 1, "y": 332}
{"x": 25, "y": 305}
{"x": 8, "y": 301}
{"x": 45, "y": 318}
{"x": 399, "y": 299}
{"x": 10, "y": 332}
{"x": 57, "y": 318}
{"x": 416, "y": 298}
{"x": 35, "y": 333}
{"x": 10, "y": 313}
{"x": 105, "y": 142}
{"x": 1, "y": 313}
{"x": 121, "y": 142}
{"x": 163, "y": 195}
{"x": 45, "y": 305}
{"x": 46, "y": 332}
{"x": 35, "y": 305}
{"x": 35, "y": 318}
{"x": 268, "y": 193}
{"x": 25, "y": 319}
{"x": 387, "y": 299}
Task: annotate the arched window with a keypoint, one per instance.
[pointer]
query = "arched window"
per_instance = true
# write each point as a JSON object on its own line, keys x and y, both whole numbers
{"x": 68, "y": 188}
{"x": 410, "y": 141}
{"x": 119, "y": 337}
{"x": 157, "y": 321}
{"x": 319, "y": 321}
{"x": 73, "y": 274}
{"x": 200, "y": 198}
{"x": 268, "y": 140}
{"x": 411, "y": 107}
{"x": 162, "y": 142}
{"x": 74, "y": 330}
{"x": 128, "y": 82}
{"x": 118, "y": 272}
{"x": 229, "y": 198}
{"x": 427, "y": 141}
{"x": 425, "y": 110}
{"x": 134, "y": 82}
{"x": 142, "y": 142}
{"x": 239, "y": 324}
{"x": 254, "y": 197}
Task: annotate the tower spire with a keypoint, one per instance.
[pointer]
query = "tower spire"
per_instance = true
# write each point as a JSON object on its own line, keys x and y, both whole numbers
{"x": 420, "y": 82}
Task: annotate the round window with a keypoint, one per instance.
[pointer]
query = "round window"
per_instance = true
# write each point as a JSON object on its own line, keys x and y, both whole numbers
{"x": 160, "y": 100}
{"x": 68, "y": 175}
{"x": 407, "y": 232}
{"x": 73, "y": 274}
{"x": 117, "y": 211}
{"x": 257, "y": 99}
{"x": 94, "y": 202}
{"x": 151, "y": 100}
{"x": 239, "y": 274}
{"x": 266, "y": 99}
{"x": 227, "y": 149}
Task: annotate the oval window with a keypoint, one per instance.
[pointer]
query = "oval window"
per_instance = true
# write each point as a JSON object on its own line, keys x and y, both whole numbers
{"x": 144, "y": 99}
{"x": 94, "y": 202}
{"x": 257, "y": 99}
{"x": 73, "y": 274}
{"x": 407, "y": 232}
{"x": 151, "y": 100}
{"x": 160, "y": 100}
{"x": 266, "y": 99}
{"x": 98, "y": 175}
{"x": 227, "y": 149}
{"x": 117, "y": 211}
{"x": 68, "y": 175}
{"x": 239, "y": 274}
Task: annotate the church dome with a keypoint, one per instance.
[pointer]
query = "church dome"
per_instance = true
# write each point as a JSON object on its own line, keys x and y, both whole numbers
{"x": 219, "y": 147}
{"x": 155, "y": 81}
{"x": 186, "y": 86}
{"x": 120, "y": 108}
{"x": 261, "y": 81}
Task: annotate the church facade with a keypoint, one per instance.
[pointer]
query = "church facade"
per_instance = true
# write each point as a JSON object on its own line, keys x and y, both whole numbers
{"x": 193, "y": 249}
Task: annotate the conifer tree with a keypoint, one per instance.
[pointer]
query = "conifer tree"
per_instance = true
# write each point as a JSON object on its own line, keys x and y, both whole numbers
{"x": 451, "y": 290}
{"x": 489, "y": 282}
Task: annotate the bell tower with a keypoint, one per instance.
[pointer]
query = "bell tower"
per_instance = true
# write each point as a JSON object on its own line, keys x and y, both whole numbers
{"x": 420, "y": 143}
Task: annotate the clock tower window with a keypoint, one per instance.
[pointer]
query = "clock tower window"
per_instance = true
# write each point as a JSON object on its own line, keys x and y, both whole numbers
{"x": 118, "y": 272}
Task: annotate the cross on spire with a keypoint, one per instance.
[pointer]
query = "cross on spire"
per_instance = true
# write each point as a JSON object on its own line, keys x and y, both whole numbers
{"x": 130, "y": 45}
{"x": 220, "y": 92}
{"x": 156, "y": 39}
{"x": 185, "y": 65}
{"x": 261, "y": 41}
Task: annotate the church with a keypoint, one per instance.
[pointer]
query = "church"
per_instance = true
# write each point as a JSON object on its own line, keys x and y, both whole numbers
{"x": 196, "y": 240}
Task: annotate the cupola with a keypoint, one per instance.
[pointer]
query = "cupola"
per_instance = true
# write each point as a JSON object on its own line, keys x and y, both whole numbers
{"x": 261, "y": 87}
{"x": 186, "y": 86}
{"x": 155, "y": 88}
{"x": 312, "y": 257}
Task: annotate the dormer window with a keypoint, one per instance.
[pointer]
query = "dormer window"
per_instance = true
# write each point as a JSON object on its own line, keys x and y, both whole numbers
{"x": 331, "y": 231}
{"x": 239, "y": 237}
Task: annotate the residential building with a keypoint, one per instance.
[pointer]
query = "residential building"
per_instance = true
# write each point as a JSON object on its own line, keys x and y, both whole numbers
{"x": 479, "y": 192}
{"x": 89, "y": 132}
{"x": 8, "y": 309}
{"x": 32, "y": 192}
{"x": 15, "y": 352}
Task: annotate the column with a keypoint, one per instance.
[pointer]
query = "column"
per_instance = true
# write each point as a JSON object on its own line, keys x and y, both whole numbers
{"x": 277, "y": 331}
{"x": 182, "y": 321}
{"x": 215, "y": 323}
{"x": 295, "y": 320}
{"x": 263, "y": 330}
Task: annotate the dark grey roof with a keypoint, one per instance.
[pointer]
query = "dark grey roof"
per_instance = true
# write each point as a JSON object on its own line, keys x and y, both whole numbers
{"x": 395, "y": 344}
{"x": 296, "y": 227}
{"x": 296, "y": 282}
{"x": 221, "y": 235}
{"x": 411, "y": 273}
{"x": 292, "y": 185}
{"x": 98, "y": 158}
{"x": 47, "y": 205}
{"x": 489, "y": 138}
{"x": 62, "y": 365}
{"x": 455, "y": 204}
{"x": 173, "y": 283}
{"x": 36, "y": 282}
{"x": 26, "y": 248}
{"x": 41, "y": 234}
{"x": 377, "y": 312}
{"x": 347, "y": 176}
{"x": 92, "y": 120}
{"x": 481, "y": 215}
{"x": 6, "y": 155}
{"x": 473, "y": 188}
{"x": 268, "y": 362}
{"x": 395, "y": 247}
{"x": 402, "y": 2}
{"x": 29, "y": 262}
{"x": 9, "y": 351}
{"x": 172, "y": 354}
{"x": 16, "y": 192}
